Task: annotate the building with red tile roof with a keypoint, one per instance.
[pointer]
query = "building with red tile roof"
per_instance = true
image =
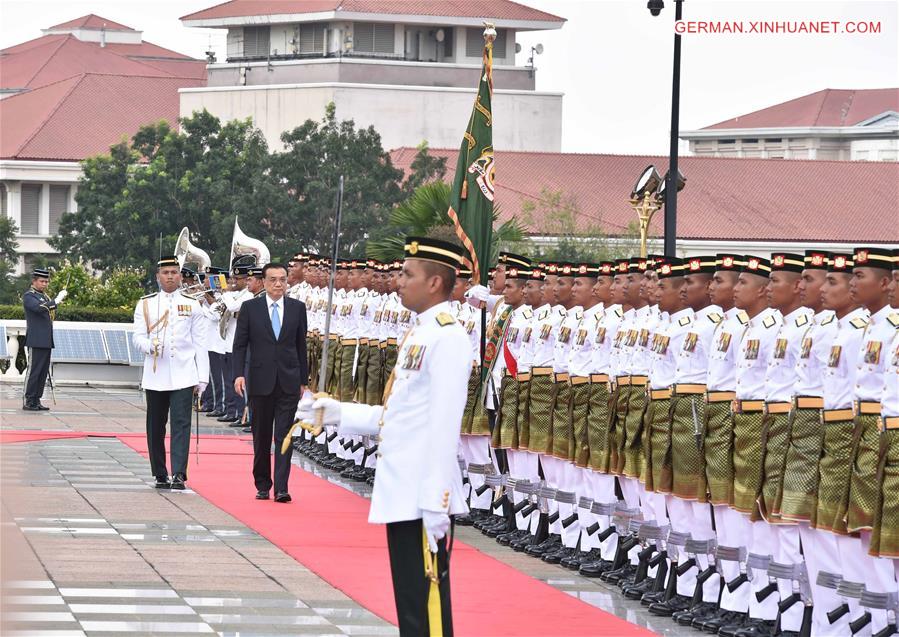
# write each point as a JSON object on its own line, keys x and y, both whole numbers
{"x": 849, "y": 124}
{"x": 504, "y": 13}
{"x": 73, "y": 92}
{"x": 727, "y": 205}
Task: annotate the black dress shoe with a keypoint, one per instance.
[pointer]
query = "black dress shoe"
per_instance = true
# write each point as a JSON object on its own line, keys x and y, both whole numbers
{"x": 702, "y": 609}
{"x": 262, "y": 495}
{"x": 162, "y": 482}
{"x": 28, "y": 407}
{"x": 41, "y": 406}
{"x": 729, "y": 630}
{"x": 282, "y": 497}
{"x": 554, "y": 557}
{"x": 178, "y": 481}
{"x": 755, "y": 628}
{"x": 228, "y": 418}
{"x": 595, "y": 569}
{"x": 716, "y": 620}
{"x": 667, "y": 609}
{"x": 637, "y": 591}
{"x": 215, "y": 413}
{"x": 247, "y": 430}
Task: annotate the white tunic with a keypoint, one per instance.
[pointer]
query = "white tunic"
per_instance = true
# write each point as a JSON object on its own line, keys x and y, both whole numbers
{"x": 420, "y": 424}
{"x": 178, "y": 327}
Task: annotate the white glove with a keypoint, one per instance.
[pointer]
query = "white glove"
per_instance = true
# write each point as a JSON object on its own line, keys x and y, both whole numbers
{"x": 436, "y": 524}
{"x": 304, "y": 409}
{"x": 330, "y": 410}
{"x": 60, "y": 297}
{"x": 477, "y": 296}
{"x": 201, "y": 387}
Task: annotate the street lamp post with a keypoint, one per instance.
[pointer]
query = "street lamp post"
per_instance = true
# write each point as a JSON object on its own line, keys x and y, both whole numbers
{"x": 655, "y": 8}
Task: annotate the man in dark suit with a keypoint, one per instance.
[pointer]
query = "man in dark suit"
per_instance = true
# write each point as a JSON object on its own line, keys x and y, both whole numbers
{"x": 39, "y": 313}
{"x": 273, "y": 328}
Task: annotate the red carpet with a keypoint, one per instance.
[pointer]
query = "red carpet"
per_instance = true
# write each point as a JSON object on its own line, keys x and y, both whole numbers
{"x": 326, "y": 530}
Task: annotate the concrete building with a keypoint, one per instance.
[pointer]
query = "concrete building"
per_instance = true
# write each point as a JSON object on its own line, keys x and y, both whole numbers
{"x": 70, "y": 94}
{"x": 846, "y": 125}
{"x": 408, "y": 68}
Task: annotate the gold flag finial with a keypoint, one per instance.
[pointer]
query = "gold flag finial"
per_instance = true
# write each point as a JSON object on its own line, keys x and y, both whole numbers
{"x": 489, "y": 32}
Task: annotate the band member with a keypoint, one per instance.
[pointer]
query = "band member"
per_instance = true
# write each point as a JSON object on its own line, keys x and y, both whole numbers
{"x": 418, "y": 485}
{"x": 170, "y": 329}
{"x": 40, "y": 310}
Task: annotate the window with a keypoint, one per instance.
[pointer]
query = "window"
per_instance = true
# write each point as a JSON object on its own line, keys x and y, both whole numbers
{"x": 474, "y": 43}
{"x": 59, "y": 204}
{"x": 31, "y": 208}
{"x": 256, "y": 41}
{"x": 772, "y": 140}
{"x": 727, "y": 141}
{"x": 312, "y": 37}
{"x": 373, "y": 37}
{"x": 448, "y": 38}
{"x": 2, "y": 200}
{"x": 750, "y": 140}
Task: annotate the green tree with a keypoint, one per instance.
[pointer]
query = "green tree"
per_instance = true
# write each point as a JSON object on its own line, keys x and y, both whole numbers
{"x": 566, "y": 233}
{"x": 425, "y": 213}
{"x": 315, "y": 155}
{"x": 424, "y": 168}
{"x": 9, "y": 286}
{"x": 200, "y": 177}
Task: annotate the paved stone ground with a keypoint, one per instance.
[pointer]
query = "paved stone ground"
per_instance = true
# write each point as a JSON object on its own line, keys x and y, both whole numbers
{"x": 88, "y": 547}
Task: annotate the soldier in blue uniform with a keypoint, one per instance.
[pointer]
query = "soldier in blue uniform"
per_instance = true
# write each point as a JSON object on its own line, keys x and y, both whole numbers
{"x": 40, "y": 310}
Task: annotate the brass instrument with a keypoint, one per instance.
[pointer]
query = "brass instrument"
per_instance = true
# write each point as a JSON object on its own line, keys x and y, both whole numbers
{"x": 186, "y": 252}
{"x": 242, "y": 246}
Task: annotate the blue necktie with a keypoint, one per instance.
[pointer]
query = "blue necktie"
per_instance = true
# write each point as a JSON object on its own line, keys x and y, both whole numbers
{"x": 276, "y": 321}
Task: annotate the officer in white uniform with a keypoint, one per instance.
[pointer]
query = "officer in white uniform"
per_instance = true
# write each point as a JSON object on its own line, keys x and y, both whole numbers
{"x": 170, "y": 329}
{"x": 418, "y": 485}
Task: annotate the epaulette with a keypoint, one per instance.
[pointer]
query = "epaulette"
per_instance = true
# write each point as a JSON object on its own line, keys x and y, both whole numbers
{"x": 149, "y": 296}
{"x": 444, "y": 319}
{"x": 528, "y": 314}
{"x": 743, "y": 317}
{"x": 579, "y": 315}
{"x": 893, "y": 319}
{"x": 859, "y": 323}
{"x": 684, "y": 320}
{"x": 542, "y": 315}
{"x": 801, "y": 320}
{"x": 769, "y": 322}
{"x": 830, "y": 319}
{"x": 618, "y": 312}
{"x": 715, "y": 318}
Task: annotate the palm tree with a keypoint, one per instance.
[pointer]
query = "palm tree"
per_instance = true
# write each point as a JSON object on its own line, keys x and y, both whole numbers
{"x": 424, "y": 213}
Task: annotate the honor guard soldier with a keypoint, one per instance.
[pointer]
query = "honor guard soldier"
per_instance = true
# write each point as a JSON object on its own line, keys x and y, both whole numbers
{"x": 418, "y": 484}
{"x": 833, "y": 546}
{"x": 871, "y": 278}
{"x": 885, "y": 535}
{"x": 504, "y": 393}
{"x": 599, "y": 533}
{"x": 40, "y": 311}
{"x": 170, "y": 330}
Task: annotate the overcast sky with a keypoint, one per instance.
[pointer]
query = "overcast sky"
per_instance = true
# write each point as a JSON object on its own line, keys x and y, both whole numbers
{"x": 611, "y": 59}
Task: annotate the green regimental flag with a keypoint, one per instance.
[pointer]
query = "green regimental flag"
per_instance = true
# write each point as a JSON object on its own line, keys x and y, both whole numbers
{"x": 471, "y": 202}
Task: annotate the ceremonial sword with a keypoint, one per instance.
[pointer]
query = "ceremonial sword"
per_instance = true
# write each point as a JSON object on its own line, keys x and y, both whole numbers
{"x": 316, "y": 429}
